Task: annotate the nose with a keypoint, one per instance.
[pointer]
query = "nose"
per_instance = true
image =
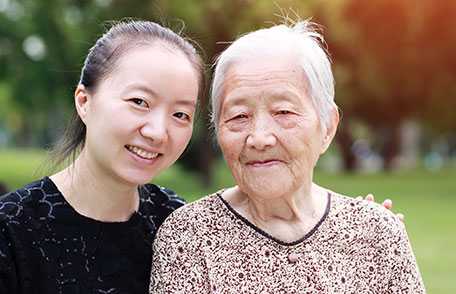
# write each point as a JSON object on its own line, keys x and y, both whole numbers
{"x": 155, "y": 128}
{"x": 261, "y": 135}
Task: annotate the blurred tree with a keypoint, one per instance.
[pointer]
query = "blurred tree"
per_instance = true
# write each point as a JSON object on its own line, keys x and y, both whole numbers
{"x": 436, "y": 46}
{"x": 46, "y": 42}
{"x": 392, "y": 63}
{"x": 393, "y": 60}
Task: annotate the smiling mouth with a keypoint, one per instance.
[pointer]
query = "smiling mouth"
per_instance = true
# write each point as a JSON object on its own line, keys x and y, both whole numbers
{"x": 142, "y": 153}
{"x": 260, "y": 163}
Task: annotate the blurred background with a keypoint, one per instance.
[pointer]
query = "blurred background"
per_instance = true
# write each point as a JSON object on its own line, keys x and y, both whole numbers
{"x": 395, "y": 67}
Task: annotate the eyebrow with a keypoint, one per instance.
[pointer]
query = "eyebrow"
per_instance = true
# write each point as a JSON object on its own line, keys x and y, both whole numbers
{"x": 237, "y": 99}
{"x": 244, "y": 98}
{"x": 190, "y": 103}
{"x": 288, "y": 95}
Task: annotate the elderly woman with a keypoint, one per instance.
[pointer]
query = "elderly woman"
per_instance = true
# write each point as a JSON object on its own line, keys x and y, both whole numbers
{"x": 276, "y": 231}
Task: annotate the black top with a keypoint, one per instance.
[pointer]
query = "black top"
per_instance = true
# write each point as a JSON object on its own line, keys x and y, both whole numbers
{"x": 48, "y": 247}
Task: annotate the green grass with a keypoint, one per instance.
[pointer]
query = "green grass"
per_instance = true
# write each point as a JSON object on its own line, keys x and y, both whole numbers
{"x": 427, "y": 199}
{"x": 18, "y": 167}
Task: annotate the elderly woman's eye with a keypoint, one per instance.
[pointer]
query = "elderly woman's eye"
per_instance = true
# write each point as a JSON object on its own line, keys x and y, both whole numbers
{"x": 240, "y": 116}
{"x": 140, "y": 102}
{"x": 282, "y": 112}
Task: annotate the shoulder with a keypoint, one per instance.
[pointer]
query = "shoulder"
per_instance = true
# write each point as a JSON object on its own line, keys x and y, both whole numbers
{"x": 198, "y": 212}
{"x": 160, "y": 196}
{"x": 189, "y": 226}
{"x": 194, "y": 218}
{"x": 375, "y": 230}
{"x": 13, "y": 205}
{"x": 157, "y": 203}
{"x": 380, "y": 241}
{"x": 366, "y": 216}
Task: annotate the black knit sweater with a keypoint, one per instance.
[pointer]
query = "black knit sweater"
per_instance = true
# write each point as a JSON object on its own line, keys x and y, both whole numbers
{"x": 47, "y": 247}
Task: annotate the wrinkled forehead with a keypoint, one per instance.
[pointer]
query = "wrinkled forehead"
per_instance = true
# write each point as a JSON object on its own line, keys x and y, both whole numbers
{"x": 265, "y": 77}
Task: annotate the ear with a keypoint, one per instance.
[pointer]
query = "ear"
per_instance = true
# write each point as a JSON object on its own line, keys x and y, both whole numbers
{"x": 330, "y": 132}
{"x": 82, "y": 100}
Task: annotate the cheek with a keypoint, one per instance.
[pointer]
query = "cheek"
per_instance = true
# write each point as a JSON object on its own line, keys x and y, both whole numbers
{"x": 238, "y": 125}
{"x": 180, "y": 138}
{"x": 286, "y": 121}
{"x": 306, "y": 148}
{"x": 112, "y": 120}
{"x": 302, "y": 141}
{"x": 231, "y": 146}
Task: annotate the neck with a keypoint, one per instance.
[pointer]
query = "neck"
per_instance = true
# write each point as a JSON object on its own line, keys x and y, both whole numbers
{"x": 94, "y": 193}
{"x": 302, "y": 205}
{"x": 288, "y": 217}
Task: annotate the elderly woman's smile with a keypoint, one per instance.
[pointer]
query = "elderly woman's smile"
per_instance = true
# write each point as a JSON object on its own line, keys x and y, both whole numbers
{"x": 263, "y": 163}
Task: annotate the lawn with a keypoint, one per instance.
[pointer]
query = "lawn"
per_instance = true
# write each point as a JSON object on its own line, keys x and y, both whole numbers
{"x": 428, "y": 200}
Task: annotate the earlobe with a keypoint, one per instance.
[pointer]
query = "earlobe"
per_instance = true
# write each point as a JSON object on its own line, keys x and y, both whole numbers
{"x": 82, "y": 101}
{"x": 325, "y": 144}
{"x": 330, "y": 132}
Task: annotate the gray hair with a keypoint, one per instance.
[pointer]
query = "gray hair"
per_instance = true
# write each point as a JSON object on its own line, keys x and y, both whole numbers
{"x": 301, "y": 39}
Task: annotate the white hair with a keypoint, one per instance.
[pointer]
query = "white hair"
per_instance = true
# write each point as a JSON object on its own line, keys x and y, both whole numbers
{"x": 300, "y": 39}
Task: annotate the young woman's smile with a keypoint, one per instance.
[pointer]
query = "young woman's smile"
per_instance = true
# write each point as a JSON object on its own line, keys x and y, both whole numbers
{"x": 143, "y": 157}
{"x": 142, "y": 153}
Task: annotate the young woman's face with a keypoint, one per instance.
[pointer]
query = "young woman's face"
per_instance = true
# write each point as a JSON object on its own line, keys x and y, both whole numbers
{"x": 140, "y": 118}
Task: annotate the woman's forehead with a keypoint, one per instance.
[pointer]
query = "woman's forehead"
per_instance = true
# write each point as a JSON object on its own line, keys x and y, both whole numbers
{"x": 273, "y": 80}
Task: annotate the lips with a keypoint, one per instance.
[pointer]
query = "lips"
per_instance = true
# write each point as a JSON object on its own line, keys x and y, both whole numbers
{"x": 140, "y": 152}
{"x": 261, "y": 163}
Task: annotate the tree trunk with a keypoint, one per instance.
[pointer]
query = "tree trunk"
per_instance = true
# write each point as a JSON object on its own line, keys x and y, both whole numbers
{"x": 392, "y": 147}
{"x": 345, "y": 142}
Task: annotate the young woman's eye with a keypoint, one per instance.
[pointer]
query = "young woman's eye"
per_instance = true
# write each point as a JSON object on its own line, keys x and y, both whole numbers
{"x": 139, "y": 102}
{"x": 182, "y": 116}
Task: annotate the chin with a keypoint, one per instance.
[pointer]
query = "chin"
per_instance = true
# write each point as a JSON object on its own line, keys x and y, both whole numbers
{"x": 138, "y": 178}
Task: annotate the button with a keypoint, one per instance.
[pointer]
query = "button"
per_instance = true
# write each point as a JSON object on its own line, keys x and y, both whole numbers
{"x": 293, "y": 257}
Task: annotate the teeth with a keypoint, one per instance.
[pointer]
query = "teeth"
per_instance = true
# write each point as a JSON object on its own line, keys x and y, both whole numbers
{"x": 142, "y": 153}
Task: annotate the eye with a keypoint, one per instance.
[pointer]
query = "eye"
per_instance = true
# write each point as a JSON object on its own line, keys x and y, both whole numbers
{"x": 239, "y": 116}
{"x": 182, "y": 116}
{"x": 283, "y": 112}
{"x": 139, "y": 102}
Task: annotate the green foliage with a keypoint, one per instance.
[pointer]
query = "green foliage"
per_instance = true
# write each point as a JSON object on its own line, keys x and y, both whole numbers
{"x": 393, "y": 59}
{"x": 46, "y": 42}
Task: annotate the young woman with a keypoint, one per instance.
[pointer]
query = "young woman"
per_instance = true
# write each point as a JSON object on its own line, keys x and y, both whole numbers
{"x": 89, "y": 228}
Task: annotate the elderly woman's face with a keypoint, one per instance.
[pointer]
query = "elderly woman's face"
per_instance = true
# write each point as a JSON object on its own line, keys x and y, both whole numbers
{"x": 269, "y": 130}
